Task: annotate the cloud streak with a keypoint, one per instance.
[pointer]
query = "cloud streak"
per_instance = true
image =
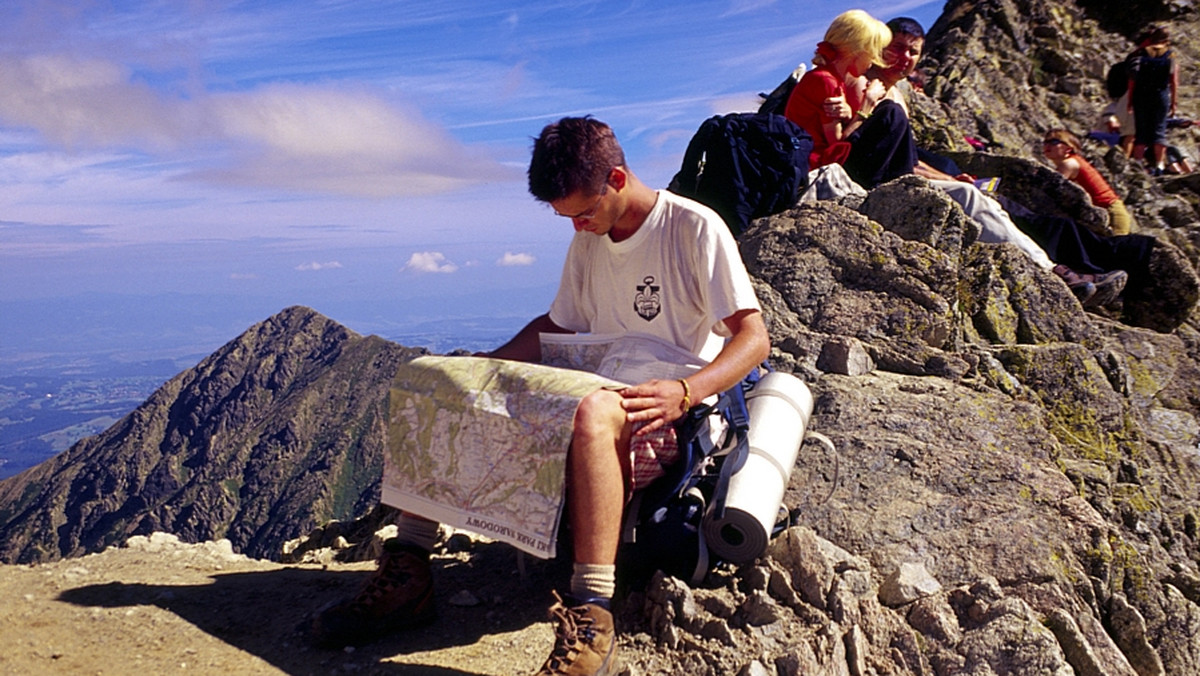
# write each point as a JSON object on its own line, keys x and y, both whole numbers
{"x": 318, "y": 138}
{"x": 314, "y": 266}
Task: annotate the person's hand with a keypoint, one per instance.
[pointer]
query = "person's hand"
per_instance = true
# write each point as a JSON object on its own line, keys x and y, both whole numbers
{"x": 655, "y": 403}
{"x": 835, "y": 107}
{"x": 965, "y": 178}
{"x": 874, "y": 94}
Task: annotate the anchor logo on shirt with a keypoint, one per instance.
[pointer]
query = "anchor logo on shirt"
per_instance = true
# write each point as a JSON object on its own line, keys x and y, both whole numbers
{"x": 647, "y": 303}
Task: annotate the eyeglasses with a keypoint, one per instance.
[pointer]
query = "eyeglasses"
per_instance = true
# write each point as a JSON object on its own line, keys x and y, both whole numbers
{"x": 588, "y": 214}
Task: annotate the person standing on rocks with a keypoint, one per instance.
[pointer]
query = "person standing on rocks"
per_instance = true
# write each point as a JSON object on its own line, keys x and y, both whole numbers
{"x": 1153, "y": 89}
{"x": 622, "y": 440}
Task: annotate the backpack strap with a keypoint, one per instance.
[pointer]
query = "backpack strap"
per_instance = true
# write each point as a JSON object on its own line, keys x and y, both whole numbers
{"x": 687, "y": 180}
{"x": 693, "y": 474}
{"x": 696, "y": 446}
{"x": 732, "y": 404}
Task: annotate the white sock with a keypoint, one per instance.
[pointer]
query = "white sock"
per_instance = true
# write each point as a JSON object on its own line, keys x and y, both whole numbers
{"x": 593, "y": 580}
{"x": 413, "y": 530}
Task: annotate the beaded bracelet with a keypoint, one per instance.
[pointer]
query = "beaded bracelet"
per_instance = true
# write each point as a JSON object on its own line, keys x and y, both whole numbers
{"x": 687, "y": 395}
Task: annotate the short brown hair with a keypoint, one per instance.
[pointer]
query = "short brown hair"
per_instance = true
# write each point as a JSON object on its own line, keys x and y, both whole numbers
{"x": 575, "y": 154}
{"x": 1064, "y": 136}
{"x": 1156, "y": 34}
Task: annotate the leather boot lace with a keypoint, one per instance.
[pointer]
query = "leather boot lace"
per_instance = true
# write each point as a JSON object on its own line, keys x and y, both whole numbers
{"x": 575, "y": 634}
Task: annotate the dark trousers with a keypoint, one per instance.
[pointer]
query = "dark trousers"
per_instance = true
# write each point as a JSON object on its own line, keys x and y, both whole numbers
{"x": 1081, "y": 249}
{"x": 882, "y": 148}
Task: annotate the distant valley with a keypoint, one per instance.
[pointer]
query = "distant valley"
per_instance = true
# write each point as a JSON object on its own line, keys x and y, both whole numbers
{"x": 41, "y": 416}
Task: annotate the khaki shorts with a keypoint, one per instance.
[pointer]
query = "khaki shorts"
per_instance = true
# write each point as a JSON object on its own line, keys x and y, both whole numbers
{"x": 651, "y": 454}
{"x": 1119, "y": 219}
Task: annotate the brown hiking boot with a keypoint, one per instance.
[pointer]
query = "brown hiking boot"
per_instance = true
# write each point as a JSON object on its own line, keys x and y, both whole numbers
{"x": 399, "y": 595}
{"x": 1109, "y": 285}
{"x": 585, "y": 641}
{"x": 1081, "y": 285}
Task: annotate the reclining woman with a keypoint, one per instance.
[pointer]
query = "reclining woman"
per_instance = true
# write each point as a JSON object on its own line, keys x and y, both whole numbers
{"x": 875, "y": 144}
{"x": 1064, "y": 149}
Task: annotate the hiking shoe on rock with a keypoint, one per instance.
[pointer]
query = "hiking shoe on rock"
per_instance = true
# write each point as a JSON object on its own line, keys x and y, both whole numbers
{"x": 1108, "y": 286}
{"x": 1084, "y": 292}
{"x": 1081, "y": 285}
{"x": 585, "y": 641}
{"x": 399, "y": 595}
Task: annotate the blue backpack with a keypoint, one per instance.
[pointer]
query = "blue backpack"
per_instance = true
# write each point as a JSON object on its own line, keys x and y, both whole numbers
{"x": 662, "y": 527}
{"x": 745, "y": 166}
{"x": 776, "y": 102}
{"x": 1116, "y": 81}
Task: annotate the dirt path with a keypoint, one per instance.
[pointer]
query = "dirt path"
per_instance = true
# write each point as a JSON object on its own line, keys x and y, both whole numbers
{"x": 157, "y": 607}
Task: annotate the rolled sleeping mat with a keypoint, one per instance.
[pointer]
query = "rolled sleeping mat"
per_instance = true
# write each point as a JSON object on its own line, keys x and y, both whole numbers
{"x": 779, "y": 405}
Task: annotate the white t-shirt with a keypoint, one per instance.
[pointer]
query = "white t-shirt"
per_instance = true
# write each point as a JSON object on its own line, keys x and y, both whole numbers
{"x": 677, "y": 278}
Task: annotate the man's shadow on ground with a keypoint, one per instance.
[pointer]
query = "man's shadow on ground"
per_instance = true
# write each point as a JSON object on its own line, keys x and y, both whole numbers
{"x": 263, "y": 613}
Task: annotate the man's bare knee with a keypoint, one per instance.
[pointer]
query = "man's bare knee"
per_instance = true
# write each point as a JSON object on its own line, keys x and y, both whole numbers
{"x": 600, "y": 413}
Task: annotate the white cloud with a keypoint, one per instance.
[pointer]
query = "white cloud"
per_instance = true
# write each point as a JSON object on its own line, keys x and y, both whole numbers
{"x": 341, "y": 140}
{"x": 308, "y": 137}
{"x": 429, "y": 261}
{"x": 75, "y": 102}
{"x": 514, "y": 259}
{"x": 331, "y": 265}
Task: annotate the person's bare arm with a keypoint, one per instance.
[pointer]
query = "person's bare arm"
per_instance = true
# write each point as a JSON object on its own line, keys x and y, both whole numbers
{"x": 930, "y": 173}
{"x": 1069, "y": 168}
{"x": 924, "y": 170}
{"x": 1174, "y": 85}
{"x": 525, "y": 346}
{"x": 660, "y": 402}
{"x": 871, "y": 96}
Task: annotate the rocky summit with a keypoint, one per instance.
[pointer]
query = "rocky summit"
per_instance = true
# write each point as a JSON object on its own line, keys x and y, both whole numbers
{"x": 1016, "y": 487}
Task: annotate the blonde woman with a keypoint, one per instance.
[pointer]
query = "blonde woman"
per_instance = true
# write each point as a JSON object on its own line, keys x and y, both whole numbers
{"x": 873, "y": 142}
{"x": 1064, "y": 149}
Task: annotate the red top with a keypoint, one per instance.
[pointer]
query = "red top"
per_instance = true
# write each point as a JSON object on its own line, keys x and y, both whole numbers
{"x": 805, "y": 108}
{"x": 1095, "y": 185}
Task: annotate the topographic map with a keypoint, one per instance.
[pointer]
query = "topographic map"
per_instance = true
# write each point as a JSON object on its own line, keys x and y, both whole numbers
{"x": 480, "y": 444}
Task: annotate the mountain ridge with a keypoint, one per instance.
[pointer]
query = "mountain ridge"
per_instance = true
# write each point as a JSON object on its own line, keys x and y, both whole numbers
{"x": 238, "y": 446}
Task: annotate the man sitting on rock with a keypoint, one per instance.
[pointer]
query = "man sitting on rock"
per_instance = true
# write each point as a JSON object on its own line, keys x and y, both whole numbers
{"x": 902, "y": 54}
{"x": 626, "y": 233}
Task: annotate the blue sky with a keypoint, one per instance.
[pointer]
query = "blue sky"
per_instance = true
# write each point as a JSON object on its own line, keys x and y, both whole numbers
{"x": 363, "y": 158}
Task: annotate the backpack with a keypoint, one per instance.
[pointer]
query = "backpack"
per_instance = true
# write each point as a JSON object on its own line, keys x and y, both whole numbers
{"x": 1116, "y": 82}
{"x": 662, "y": 528}
{"x": 745, "y": 166}
{"x": 776, "y": 102}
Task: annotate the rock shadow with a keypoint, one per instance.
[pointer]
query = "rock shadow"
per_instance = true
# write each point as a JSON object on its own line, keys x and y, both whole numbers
{"x": 264, "y": 613}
